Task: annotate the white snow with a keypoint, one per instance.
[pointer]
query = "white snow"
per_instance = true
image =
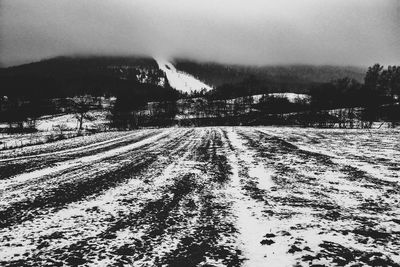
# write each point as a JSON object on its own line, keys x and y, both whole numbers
{"x": 292, "y": 97}
{"x": 250, "y": 221}
{"x": 180, "y": 80}
{"x": 70, "y": 122}
{"x": 263, "y": 176}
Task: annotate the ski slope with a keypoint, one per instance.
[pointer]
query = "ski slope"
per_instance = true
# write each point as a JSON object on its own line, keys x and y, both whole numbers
{"x": 180, "y": 80}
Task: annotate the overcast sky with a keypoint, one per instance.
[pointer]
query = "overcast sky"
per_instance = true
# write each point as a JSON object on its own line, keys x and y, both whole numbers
{"x": 350, "y": 32}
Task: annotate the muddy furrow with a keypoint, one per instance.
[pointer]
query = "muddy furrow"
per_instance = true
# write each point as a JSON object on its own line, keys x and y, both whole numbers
{"x": 15, "y": 166}
{"x": 188, "y": 220}
{"x": 193, "y": 208}
{"x": 280, "y": 145}
{"x": 375, "y": 153}
{"x": 66, "y": 145}
{"x": 68, "y": 192}
{"x": 154, "y": 196}
{"x": 226, "y": 196}
{"x": 96, "y": 174}
{"x": 213, "y": 234}
{"x": 70, "y": 187}
{"x": 333, "y": 213}
{"x": 294, "y": 164}
{"x": 102, "y": 160}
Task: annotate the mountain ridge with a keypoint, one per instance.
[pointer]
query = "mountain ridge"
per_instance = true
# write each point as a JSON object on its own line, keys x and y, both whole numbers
{"x": 69, "y": 75}
{"x": 229, "y": 73}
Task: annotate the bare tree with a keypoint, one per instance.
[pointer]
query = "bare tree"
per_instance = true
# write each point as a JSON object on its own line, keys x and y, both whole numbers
{"x": 81, "y": 107}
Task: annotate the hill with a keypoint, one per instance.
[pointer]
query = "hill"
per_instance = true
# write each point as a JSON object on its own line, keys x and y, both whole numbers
{"x": 290, "y": 78}
{"x": 69, "y": 76}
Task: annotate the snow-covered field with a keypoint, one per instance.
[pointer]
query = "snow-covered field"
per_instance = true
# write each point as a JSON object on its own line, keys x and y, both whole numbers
{"x": 51, "y": 127}
{"x": 221, "y": 196}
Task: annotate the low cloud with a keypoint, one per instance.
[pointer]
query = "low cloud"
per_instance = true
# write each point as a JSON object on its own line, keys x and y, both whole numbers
{"x": 344, "y": 32}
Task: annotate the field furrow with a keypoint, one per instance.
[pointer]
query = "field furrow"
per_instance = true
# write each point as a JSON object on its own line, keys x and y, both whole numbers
{"x": 218, "y": 196}
{"x": 10, "y": 167}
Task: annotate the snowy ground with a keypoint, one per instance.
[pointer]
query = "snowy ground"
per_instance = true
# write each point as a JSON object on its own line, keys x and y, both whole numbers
{"x": 50, "y": 127}
{"x": 69, "y": 121}
{"x": 222, "y": 196}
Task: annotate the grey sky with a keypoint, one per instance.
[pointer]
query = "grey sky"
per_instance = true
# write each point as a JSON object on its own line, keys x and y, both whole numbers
{"x": 351, "y": 32}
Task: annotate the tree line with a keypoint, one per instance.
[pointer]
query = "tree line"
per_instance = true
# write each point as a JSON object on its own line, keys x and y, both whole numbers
{"x": 154, "y": 104}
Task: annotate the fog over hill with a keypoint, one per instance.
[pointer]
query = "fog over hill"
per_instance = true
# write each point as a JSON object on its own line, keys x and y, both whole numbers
{"x": 337, "y": 32}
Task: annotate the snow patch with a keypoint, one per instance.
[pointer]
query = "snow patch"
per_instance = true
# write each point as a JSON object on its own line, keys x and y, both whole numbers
{"x": 180, "y": 80}
{"x": 263, "y": 176}
{"x": 291, "y": 97}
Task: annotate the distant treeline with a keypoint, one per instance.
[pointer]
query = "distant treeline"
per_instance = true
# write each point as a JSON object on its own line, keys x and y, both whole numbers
{"x": 143, "y": 96}
{"x": 343, "y": 102}
{"x": 266, "y": 79}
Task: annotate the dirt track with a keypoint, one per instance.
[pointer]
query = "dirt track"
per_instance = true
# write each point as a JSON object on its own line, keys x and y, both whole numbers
{"x": 219, "y": 196}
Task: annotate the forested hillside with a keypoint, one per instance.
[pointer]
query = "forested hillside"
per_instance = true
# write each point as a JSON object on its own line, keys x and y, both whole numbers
{"x": 70, "y": 76}
{"x": 142, "y": 95}
{"x": 247, "y": 80}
